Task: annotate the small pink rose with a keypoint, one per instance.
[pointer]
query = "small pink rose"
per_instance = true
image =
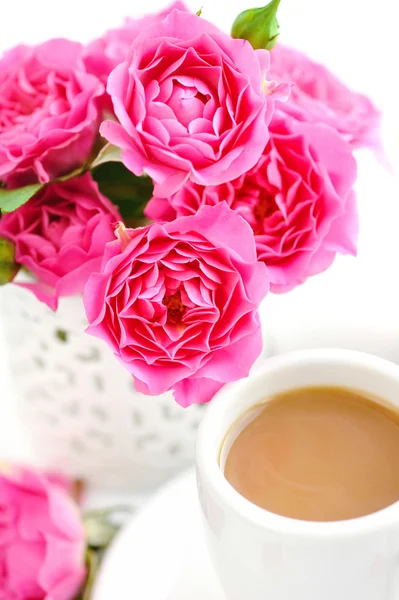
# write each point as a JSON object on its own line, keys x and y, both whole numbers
{"x": 49, "y": 112}
{"x": 298, "y": 200}
{"x": 191, "y": 104}
{"x": 177, "y": 303}
{"x": 42, "y": 541}
{"x": 59, "y": 235}
{"x": 323, "y": 98}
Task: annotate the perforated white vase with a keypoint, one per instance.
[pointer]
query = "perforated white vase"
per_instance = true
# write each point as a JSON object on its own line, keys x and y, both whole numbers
{"x": 79, "y": 406}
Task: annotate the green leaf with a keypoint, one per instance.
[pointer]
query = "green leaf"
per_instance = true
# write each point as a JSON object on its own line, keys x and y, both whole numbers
{"x": 108, "y": 153}
{"x": 8, "y": 267}
{"x": 13, "y": 199}
{"x": 258, "y": 25}
{"x": 129, "y": 192}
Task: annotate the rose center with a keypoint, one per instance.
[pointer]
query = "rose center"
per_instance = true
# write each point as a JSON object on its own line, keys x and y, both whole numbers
{"x": 187, "y": 102}
{"x": 175, "y": 307}
{"x": 202, "y": 97}
{"x": 53, "y": 229}
{"x": 263, "y": 208}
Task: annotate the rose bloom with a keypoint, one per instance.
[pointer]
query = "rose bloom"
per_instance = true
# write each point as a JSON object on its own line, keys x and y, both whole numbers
{"x": 49, "y": 112}
{"x": 59, "y": 235}
{"x": 102, "y": 55}
{"x": 298, "y": 199}
{"x": 42, "y": 541}
{"x": 325, "y": 99}
{"x": 192, "y": 103}
{"x": 177, "y": 303}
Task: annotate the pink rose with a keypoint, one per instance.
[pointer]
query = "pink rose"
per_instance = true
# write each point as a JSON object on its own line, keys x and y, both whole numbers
{"x": 298, "y": 199}
{"x": 177, "y": 303}
{"x": 101, "y": 56}
{"x": 59, "y": 235}
{"x": 325, "y": 99}
{"x": 42, "y": 541}
{"x": 49, "y": 112}
{"x": 191, "y": 104}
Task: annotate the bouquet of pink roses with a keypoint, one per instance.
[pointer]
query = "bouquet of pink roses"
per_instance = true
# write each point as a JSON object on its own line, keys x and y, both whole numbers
{"x": 174, "y": 174}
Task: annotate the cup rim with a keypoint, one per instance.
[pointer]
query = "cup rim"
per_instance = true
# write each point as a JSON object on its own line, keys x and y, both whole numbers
{"x": 218, "y": 485}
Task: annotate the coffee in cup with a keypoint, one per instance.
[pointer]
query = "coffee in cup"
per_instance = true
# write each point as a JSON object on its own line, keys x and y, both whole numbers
{"x": 316, "y": 454}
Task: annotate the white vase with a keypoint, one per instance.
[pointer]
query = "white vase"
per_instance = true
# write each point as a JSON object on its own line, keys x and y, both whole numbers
{"x": 78, "y": 404}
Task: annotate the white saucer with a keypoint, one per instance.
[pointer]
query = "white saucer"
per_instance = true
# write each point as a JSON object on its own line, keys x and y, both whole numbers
{"x": 161, "y": 553}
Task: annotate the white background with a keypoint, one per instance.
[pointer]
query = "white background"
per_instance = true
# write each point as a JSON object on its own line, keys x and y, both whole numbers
{"x": 356, "y": 303}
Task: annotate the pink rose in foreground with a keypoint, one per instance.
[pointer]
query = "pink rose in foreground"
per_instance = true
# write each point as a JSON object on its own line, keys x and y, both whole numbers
{"x": 298, "y": 199}
{"x": 42, "y": 541}
{"x": 101, "y": 56}
{"x": 49, "y": 114}
{"x": 191, "y": 104}
{"x": 177, "y": 303}
{"x": 325, "y": 99}
{"x": 59, "y": 235}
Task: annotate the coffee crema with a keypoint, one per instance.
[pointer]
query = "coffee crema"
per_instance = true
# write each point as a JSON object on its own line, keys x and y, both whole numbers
{"x": 316, "y": 454}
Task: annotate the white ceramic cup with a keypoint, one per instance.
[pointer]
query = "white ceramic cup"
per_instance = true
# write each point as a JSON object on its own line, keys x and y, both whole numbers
{"x": 262, "y": 556}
